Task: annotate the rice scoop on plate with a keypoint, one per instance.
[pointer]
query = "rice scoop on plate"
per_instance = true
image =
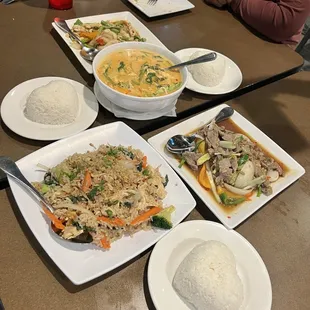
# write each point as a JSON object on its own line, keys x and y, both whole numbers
{"x": 207, "y": 278}
{"x": 56, "y": 103}
{"x": 209, "y": 73}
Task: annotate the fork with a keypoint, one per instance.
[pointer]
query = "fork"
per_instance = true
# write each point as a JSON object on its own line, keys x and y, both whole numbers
{"x": 152, "y": 2}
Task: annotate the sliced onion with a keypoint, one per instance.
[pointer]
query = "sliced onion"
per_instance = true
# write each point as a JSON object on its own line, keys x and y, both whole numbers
{"x": 273, "y": 175}
{"x": 237, "y": 191}
{"x": 258, "y": 181}
{"x": 227, "y": 145}
{"x": 74, "y": 207}
{"x": 213, "y": 187}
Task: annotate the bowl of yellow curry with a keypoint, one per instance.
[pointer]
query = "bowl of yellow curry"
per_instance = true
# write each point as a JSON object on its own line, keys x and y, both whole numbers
{"x": 133, "y": 76}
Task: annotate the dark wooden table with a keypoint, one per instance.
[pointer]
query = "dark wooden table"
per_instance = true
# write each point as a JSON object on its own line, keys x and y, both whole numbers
{"x": 33, "y": 49}
{"x": 37, "y": 50}
{"x": 279, "y": 231}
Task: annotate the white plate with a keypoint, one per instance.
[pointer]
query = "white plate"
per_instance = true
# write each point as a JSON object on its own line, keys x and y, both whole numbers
{"x": 172, "y": 249}
{"x": 232, "y": 219}
{"x": 231, "y": 81}
{"x": 143, "y": 31}
{"x": 82, "y": 263}
{"x": 14, "y": 102}
{"x": 162, "y": 7}
{"x": 140, "y": 116}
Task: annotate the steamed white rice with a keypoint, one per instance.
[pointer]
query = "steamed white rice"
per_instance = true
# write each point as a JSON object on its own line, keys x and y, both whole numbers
{"x": 209, "y": 73}
{"x": 55, "y": 104}
{"x": 207, "y": 278}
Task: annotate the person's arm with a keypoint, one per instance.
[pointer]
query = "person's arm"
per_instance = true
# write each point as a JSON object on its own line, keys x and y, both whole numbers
{"x": 278, "y": 20}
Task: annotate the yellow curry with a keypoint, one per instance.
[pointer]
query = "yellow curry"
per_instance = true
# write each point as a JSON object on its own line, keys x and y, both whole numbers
{"x": 139, "y": 73}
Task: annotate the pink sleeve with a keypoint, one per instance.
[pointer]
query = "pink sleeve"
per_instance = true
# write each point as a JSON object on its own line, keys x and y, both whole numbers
{"x": 279, "y": 20}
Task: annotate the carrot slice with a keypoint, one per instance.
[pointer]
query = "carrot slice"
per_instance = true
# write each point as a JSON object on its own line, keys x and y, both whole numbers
{"x": 113, "y": 221}
{"x": 58, "y": 224}
{"x": 89, "y": 35}
{"x": 248, "y": 196}
{"x": 203, "y": 178}
{"x": 144, "y": 162}
{"x": 145, "y": 216}
{"x": 105, "y": 243}
{"x": 87, "y": 181}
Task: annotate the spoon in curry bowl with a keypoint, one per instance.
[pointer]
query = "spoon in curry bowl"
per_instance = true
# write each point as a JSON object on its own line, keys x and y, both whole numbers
{"x": 10, "y": 168}
{"x": 88, "y": 53}
{"x": 180, "y": 143}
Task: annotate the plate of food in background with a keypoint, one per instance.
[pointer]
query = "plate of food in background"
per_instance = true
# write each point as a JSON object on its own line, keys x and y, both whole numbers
{"x": 104, "y": 30}
{"x": 106, "y": 181}
{"x": 49, "y": 108}
{"x": 161, "y": 7}
{"x": 216, "y": 77}
{"x": 234, "y": 167}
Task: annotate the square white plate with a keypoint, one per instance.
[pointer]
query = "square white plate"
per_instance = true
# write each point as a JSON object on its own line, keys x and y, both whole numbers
{"x": 143, "y": 31}
{"x": 231, "y": 219}
{"x": 79, "y": 262}
{"x": 162, "y": 7}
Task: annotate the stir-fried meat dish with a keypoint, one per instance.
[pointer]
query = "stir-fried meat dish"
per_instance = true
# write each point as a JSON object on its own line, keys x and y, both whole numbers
{"x": 230, "y": 163}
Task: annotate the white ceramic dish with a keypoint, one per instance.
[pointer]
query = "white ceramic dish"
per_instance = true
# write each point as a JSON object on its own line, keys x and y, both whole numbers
{"x": 13, "y": 104}
{"x": 162, "y": 7}
{"x": 122, "y": 113}
{"x": 231, "y": 81}
{"x": 132, "y": 103}
{"x": 143, "y": 31}
{"x": 241, "y": 213}
{"x": 170, "y": 251}
{"x": 82, "y": 263}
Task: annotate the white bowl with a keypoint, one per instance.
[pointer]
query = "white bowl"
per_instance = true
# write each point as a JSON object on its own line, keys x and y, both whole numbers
{"x": 133, "y": 103}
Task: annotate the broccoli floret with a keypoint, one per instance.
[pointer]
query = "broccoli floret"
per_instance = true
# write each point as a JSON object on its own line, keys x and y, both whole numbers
{"x": 163, "y": 219}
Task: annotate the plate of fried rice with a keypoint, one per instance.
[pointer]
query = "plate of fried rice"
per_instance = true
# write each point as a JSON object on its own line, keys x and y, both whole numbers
{"x": 108, "y": 182}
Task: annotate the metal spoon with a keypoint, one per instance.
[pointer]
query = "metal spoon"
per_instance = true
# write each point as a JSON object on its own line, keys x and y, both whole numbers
{"x": 10, "y": 168}
{"x": 179, "y": 143}
{"x": 88, "y": 53}
{"x": 198, "y": 60}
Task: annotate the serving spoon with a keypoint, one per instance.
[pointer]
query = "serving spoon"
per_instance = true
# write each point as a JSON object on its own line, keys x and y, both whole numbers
{"x": 88, "y": 53}
{"x": 179, "y": 144}
{"x": 10, "y": 168}
{"x": 204, "y": 58}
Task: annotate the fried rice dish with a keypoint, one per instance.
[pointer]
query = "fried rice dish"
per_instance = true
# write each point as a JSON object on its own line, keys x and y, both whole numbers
{"x": 108, "y": 193}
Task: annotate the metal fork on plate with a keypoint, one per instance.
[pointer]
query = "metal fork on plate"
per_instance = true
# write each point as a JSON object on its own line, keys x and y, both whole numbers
{"x": 152, "y": 2}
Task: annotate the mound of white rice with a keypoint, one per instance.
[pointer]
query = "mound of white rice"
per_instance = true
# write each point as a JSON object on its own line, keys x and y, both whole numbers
{"x": 55, "y": 104}
{"x": 207, "y": 278}
{"x": 208, "y": 73}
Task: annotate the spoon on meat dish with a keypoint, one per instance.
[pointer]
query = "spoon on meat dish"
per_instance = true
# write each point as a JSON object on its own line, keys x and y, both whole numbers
{"x": 180, "y": 143}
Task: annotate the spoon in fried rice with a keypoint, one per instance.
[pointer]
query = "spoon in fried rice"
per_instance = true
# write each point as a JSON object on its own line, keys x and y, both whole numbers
{"x": 10, "y": 168}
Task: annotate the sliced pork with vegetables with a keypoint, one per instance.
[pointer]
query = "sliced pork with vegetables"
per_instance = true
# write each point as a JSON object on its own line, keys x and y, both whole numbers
{"x": 231, "y": 165}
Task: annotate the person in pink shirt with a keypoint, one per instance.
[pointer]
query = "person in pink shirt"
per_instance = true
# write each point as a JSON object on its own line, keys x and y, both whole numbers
{"x": 280, "y": 20}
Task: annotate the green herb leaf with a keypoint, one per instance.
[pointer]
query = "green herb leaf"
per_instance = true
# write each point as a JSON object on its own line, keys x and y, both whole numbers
{"x": 139, "y": 167}
{"x": 146, "y": 172}
{"x": 112, "y": 152}
{"x": 121, "y": 66}
{"x": 243, "y": 159}
{"x": 127, "y": 204}
{"x": 109, "y": 213}
{"x": 182, "y": 162}
{"x": 259, "y": 191}
{"x": 230, "y": 201}
{"x": 166, "y": 180}
{"x": 78, "y": 22}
